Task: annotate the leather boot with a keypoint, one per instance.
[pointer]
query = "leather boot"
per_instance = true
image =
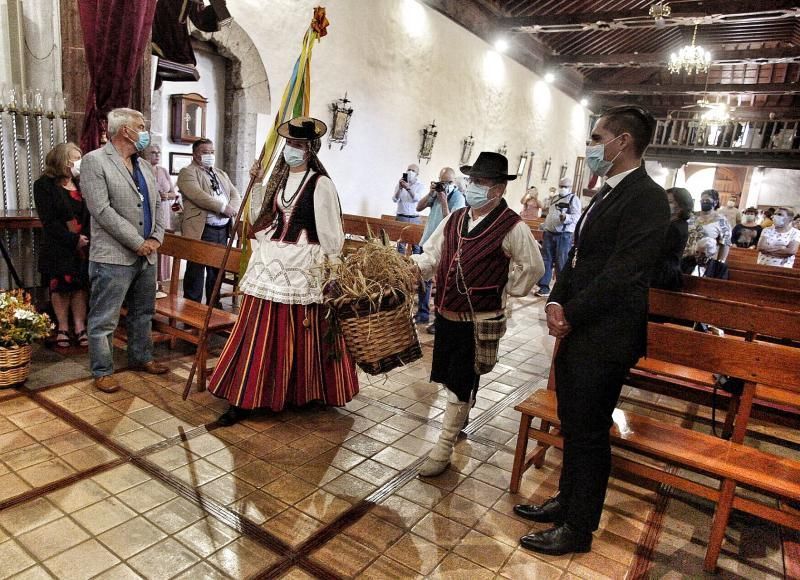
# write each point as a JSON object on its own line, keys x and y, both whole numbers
{"x": 439, "y": 457}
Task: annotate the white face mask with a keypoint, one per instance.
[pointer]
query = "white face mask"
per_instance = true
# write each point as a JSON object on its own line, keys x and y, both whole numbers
{"x": 293, "y": 156}
{"x": 780, "y": 220}
{"x": 563, "y": 190}
{"x": 731, "y": 203}
{"x": 749, "y": 218}
{"x": 76, "y": 168}
{"x": 412, "y": 176}
{"x": 207, "y": 159}
{"x": 477, "y": 195}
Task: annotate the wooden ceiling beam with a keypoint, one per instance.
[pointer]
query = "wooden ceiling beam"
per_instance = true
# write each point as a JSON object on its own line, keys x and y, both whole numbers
{"x": 656, "y": 59}
{"x": 683, "y": 14}
{"x": 691, "y": 89}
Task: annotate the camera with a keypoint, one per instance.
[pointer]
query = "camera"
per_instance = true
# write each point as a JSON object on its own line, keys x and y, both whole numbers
{"x": 562, "y": 207}
{"x": 438, "y": 186}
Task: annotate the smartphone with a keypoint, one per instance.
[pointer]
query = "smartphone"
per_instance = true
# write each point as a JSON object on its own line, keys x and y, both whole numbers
{"x": 405, "y": 177}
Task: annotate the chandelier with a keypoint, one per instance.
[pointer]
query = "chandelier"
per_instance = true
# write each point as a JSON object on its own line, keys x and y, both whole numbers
{"x": 658, "y": 12}
{"x": 692, "y": 59}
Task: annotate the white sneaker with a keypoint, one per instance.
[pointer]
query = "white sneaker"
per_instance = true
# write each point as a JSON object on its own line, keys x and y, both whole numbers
{"x": 160, "y": 294}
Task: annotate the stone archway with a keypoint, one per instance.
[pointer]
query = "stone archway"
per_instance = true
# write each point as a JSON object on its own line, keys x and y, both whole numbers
{"x": 246, "y": 96}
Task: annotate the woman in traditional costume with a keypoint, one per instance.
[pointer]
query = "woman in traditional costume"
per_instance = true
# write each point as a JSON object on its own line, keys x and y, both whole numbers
{"x": 282, "y": 350}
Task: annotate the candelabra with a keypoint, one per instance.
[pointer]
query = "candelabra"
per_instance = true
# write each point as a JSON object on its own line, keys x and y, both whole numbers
{"x": 13, "y": 112}
{"x": 27, "y": 111}
{"x": 38, "y": 114}
{"x": 3, "y": 148}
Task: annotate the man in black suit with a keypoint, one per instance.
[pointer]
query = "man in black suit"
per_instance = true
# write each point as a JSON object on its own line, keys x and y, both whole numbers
{"x": 598, "y": 310}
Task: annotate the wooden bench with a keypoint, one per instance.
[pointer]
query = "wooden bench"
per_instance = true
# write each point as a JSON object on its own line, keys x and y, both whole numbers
{"x": 768, "y": 369}
{"x": 182, "y": 318}
{"x": 755, "y": 294}
{"x": 749, "y": 256}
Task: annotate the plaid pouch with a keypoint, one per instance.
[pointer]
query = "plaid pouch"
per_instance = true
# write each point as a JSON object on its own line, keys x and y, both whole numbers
{"x": 487, "y": 342}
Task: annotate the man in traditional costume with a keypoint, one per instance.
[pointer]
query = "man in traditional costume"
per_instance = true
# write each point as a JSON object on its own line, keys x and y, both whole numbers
{"x": 479, "y": 254}
{"x": 281, "y": 350}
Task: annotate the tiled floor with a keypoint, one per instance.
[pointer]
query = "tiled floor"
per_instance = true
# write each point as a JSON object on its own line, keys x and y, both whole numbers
{"x": 143, "y": 484}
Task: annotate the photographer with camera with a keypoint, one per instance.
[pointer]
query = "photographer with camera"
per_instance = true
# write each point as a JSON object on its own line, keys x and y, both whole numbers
{"x": 563, "y": 213}
{"x": 443, "y": 197}
{"x": 408, "y": 192}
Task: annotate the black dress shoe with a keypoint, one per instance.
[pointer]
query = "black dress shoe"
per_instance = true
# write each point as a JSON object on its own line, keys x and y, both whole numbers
{"x": 232, "y": 415}
{"x": 558, "y": 541}
{"x": 550, "y": 512}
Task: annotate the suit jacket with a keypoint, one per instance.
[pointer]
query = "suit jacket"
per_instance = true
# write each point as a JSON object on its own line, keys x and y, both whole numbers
{"x": 116, "y": 207}
{"x": 198, "y": 198}
{"x": 604, "y": 294}
{"x": 714, "y": 268}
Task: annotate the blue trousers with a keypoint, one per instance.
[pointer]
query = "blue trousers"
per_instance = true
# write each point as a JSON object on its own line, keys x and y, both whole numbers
{"x": 193, "y": 278}
{"x": 401, "y": 247}
{"x": 113, "y": 284}
{"x": 555, "y": 251}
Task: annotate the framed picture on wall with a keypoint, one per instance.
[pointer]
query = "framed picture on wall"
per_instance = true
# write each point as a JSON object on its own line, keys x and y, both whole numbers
{"x": 178, "y": 161}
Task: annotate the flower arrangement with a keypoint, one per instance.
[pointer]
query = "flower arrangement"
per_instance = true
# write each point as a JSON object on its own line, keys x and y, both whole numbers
{"x": 20, "y": 323}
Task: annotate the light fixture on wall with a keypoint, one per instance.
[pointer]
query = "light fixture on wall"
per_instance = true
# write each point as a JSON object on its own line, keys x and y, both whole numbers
{"x": 691, "y": 58}
{"x": 546, "y": 170}
{"x": 523, "y": 160}
{"x": 658, "y": 12}
{"x": 342, "y": 112}
{"x": 428, "y": 139}
{"x": 466, "y": 149}
{"x": 221, "y": 12}
{"x": 503, "y": 150}
{"x": 563, "y": 173}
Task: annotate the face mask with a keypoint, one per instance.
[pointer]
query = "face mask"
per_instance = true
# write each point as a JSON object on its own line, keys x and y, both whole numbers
{"x": 702, "y": 260}
{"x": 780, "y": 220}
{"x": 673, "y": 209}
{"x": 595, "y": 158}
{"x": 731, "y": 203}
{"x": 563, "y": 190}
{"x": 477, "y": 195}
{"x": 142, "y": 140}
{"x": 207, "y": 160}
{"x": 76, "y": 168}
{"x": 749, "y": 218}
{"x": 451, "y": 188}
{"x": 293, "y": 156}
{"x": 412, "y": 175}
{"x": 706, "y": 205}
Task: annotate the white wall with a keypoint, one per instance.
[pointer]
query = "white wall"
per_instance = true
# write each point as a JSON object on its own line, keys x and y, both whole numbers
{"x": 774, "y": 187}
{"x": 212, "y": 86}
{"x": 404, "y": 65}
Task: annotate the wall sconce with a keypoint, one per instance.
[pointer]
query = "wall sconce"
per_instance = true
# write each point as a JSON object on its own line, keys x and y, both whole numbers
{"x": 563, "y": 172}
{"x": 546, "y": 171}
{"x": 466, "y": 149}
{"x": 503, "y": 150}
{"x": 341, "y": 122}
{"x": 523, "y": 160}
{"x": 428, "y": 139}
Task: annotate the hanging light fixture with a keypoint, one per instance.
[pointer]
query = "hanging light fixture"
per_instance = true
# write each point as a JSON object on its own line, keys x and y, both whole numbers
{"x": 691, "y": 58}
{"x": 658, "y": 12}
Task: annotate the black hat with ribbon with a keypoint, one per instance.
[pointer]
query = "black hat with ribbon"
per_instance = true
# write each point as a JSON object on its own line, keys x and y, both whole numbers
{"x": 489, "y": 165}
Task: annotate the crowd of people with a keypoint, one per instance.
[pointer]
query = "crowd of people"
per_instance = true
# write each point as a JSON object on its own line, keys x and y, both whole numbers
{"x": 105, "y": 215}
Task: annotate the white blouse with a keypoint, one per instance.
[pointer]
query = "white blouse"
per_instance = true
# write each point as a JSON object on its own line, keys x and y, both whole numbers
{"x": 774, "y": 237}
{"x": 292, "y": 273}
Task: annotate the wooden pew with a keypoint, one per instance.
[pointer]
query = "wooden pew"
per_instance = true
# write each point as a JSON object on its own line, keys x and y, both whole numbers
{"x": 763, "y": 278}
{"x": 182, "y": 318}
{"x": 749, "y": 256}
{"x": 742, "y": 292}
{"x": 747, "y": 266}
{"x": 768, "y": 369}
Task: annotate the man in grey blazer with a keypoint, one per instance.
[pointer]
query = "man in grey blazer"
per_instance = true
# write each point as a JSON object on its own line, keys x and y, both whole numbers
{"x": 209, "y": 202}
{"x": 127, "y": 229}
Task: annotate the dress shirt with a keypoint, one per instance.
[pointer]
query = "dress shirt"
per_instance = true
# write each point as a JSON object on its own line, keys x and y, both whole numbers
{"x": 525, "y": 268}
{"x": 407, "y": 198}
{"x": 144, "y": 194}
{"x": 216, "y": 219}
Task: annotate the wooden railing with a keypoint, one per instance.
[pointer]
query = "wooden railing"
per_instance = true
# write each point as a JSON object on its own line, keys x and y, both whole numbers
{"x": 689, "y": 130}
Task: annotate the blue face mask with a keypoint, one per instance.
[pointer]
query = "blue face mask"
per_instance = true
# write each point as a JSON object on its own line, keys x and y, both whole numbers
{"x": 142, "y": 141}
{"x": 477, "y": 195}
{"x": 294, "y": 156}
{"x": 595, "y": 158}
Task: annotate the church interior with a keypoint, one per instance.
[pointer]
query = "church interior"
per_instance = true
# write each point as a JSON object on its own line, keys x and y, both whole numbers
{"x": 153, "y": 474}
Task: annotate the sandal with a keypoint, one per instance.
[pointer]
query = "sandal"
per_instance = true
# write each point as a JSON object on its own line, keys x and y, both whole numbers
{"x": 83, "y": 339}
{"x": 62, "y": 339}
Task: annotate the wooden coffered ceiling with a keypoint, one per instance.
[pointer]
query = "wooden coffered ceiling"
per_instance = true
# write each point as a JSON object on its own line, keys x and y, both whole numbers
{"x": 611, "y": 51}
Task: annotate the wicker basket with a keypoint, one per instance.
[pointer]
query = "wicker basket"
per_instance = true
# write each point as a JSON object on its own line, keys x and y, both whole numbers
{"x": 15, "y": 365}
{"x": 379, "y": 339}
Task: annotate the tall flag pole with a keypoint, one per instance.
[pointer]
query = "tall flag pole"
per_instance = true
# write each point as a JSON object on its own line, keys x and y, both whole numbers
{"x": 295, "y": 102}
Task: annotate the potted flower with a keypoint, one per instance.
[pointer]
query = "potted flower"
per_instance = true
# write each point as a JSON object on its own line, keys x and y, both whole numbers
{"x": 20, "y": 325}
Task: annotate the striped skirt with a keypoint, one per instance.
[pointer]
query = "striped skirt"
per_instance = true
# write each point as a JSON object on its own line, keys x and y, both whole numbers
{"x": 273, "y": 359}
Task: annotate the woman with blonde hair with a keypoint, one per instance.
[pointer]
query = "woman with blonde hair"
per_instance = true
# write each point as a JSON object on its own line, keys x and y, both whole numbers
{"x": 64, "y": 258}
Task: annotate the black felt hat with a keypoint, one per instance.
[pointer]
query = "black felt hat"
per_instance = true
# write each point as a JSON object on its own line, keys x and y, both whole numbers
{"x": 490, "y": 165}
{"x": 303, "y": 129}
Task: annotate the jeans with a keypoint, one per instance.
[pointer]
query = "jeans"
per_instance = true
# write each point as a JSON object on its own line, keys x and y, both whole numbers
{"x": 424, "y": 299}
{"x": 193, "y": 277}
{"x": 555, "y": 250}
{"x": 113, "y": 284}
{"x": 401, "y": 247}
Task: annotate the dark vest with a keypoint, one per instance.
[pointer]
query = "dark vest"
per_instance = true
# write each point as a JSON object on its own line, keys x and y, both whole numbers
{"x": 302, "y": 216}
{"x": 484, "y": 265}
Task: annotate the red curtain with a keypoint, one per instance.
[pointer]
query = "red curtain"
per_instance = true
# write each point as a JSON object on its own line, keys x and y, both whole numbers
{"x": 116, "y": 34}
